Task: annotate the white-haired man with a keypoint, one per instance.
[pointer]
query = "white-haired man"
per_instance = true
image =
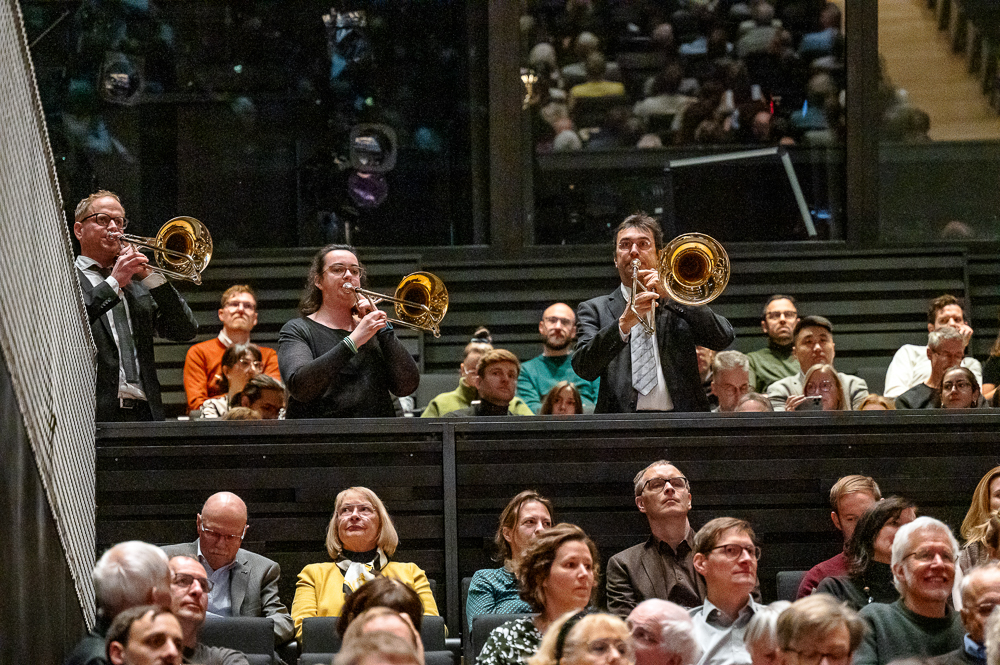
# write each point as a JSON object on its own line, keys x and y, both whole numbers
{"x": 945, "y": 349}
{"x": 663, "y": 634}
{"x": 920, "y": 623}
{"x": 730, "y": 379}
{"x": 129, "y": 574}
{"x": 980, "y": 594}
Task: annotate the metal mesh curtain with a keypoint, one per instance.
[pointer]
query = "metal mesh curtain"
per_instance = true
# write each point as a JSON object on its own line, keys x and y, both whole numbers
{"x": 43, "y": 324}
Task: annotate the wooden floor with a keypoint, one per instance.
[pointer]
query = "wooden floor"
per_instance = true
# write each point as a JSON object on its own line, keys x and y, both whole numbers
{"x": 919, "y": 60}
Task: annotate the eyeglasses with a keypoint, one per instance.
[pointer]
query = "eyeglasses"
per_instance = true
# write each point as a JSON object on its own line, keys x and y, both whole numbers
{"x": 363, "y": 509}
{"x": 643, "y": 244}
{"x": 224, "y": 536}
{"x": 825, "y": 386}
{"x": 339, "y": 269}
{"x": 734, "y": 551}
{"x": 956, "y": 385}
{"x": 657, "y": 484}
{"x": 814, "y": 658}
{"x": 927, "y": 556}
{"x": 247, "y": 363}
{"x": 603, "y": 646}
{"x": 184, "y": 581}
{"x": 240, "y": 304}
{"x": 104, "y": 220}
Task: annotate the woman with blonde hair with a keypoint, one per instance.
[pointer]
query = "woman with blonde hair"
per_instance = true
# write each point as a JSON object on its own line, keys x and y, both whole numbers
{"x": 876, "y": 403}
{"x": 582, "y": 638}
{"x": 985, "y": 502}
{"x": 823, "y": 381}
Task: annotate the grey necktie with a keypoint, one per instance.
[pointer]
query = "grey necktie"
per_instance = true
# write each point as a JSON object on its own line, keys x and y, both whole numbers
{"x": 643, "y": 361}
{"x": 126, "y": 347}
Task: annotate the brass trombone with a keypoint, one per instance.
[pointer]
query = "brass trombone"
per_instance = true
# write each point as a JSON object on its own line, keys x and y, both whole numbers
{"x": 638, "y": 287}
{"x": 421, "y": 301}
{"x": 182, "y": 248}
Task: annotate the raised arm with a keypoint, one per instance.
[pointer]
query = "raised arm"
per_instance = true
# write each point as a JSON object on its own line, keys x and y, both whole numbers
{"x": 597, "y": 342}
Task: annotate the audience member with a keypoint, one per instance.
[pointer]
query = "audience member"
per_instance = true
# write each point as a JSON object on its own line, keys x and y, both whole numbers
{"x": 960, "y": 389}
{"x": 814, "y": 345}
{"x": 993, "y": 639}
{"x": 128, "y": 575}
{"x": 822, "y": 381}
{"x": 662, "y": 634}
{"x": 361, "y": 540}
{"x": 575, "y": 73}
{"x": 662, "y": 566}
{"x": 385, "y": 592}
{"x": 706, "y": 357}
{"x": 758, "y": 36}
{"x": 203, "y": 363}
{"x": 730, "y": 379}
{"x": 911, "y": 365}
{"x": 761, "y": 637}
{"x": 264, "y": 395}
{"x": 496, "y": 383}
{"x": 824, "y": 41}
{"x": 496, "y": 590}
{"x": 242, "y": 413}
{"x": 818, "y": 628}
{"x": 920, "y": 623}
{"x": 597, "y": 83}
{"x": 665, "y": 102}
{"x": 584, "y": 638}
{"x": 190, "y": 588}
{"x": 378, "y": 648}
{"x": 945, "y": 348}
{"x": 777, "y": 360}
{"x": 341, "y": 358}
{"x": 753, "y": 402}
{"x": 244, "y": 584}
{"x": 726, "y": 556}
{"x": 991, "y": 372}
{"x": 557, "y": 576}
{"x": 145, "y": 635}
{"x": 538, "y": 375}
{"x": 384, "y": 619}
{"x": 877, "y": 403}
{"x": 465, "y": 393}
{"x": 868, "y": 577}
{"x": 563, "y": 400}
{"x": 980, "y": 595}
{"x": 240, "y": 363}
{"x": 850, "y": 497}
{"x": 985, "y": 501}
{"x": 664, "y": 376}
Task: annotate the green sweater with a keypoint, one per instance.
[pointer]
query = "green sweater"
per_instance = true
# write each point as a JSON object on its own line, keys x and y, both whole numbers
{"x": 540, "y": 374}
{"x": 771, "y": 364}
{"x": 461, "y": 398}
{"x": 897, "y": 632}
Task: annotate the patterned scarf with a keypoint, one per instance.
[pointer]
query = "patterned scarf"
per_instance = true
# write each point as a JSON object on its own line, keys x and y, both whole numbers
{"x": 356, "y": 571}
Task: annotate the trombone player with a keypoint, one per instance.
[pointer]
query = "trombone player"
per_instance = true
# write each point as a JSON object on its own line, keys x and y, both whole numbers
{"x": 127, "y": 303}
{"x": 642, "y": 370}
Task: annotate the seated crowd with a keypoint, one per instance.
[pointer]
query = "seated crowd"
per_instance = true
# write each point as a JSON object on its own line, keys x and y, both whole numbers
{"x": 902, "y": 588}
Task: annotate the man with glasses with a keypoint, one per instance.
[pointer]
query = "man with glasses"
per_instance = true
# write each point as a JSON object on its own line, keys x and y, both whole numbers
{"x": 819, "y": 630}
{"x": 980, "y": 594}
{"x": 662, "y": 566}
{"x": 244, "y": 583}
{"x": 725, "y": 554}
{"x": 639, "y": 371}
{"x": 945, "y": 348}
{"x": 127, "y": 303}
{"x": 203, "y": 363}
{"x": 730, "y": 379}
{"x": 189, "y": 589}
{"x": 920, "y": 623}
{"x": 775, "y": 362}
{"x": 541, "y": 373}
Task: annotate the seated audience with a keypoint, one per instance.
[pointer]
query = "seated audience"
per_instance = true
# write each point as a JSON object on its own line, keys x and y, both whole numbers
{"x": 945, "y": 348}
{"x": 824, "y": 41}
{"x": 240, "y": 363}
{"x": 557, "y": 576}
{"x": 242, "y": 413}
{"x": 189, "y": 589}
{"x": 538, "y": 375}
{"x": 360, "y": 539}
{"x": 128, "y": 575}
{"x": 203, "y": 363}
{"x": 576, "y": 72}
{"x": 980, "y": 590}
{"x": 761, "y": 638}
{"x": 758, "y": 35}
{"x": 753, "y": 402}
{"x": 850, "y": 497}
{"x": 496, "y": 375}
{"x": 496, "y": 590}
{"x": 382, "y": 592}
{"x": 814, "y": 345}
{"x": 466, "y": 392}
{"x": 823, "y": 381}
{"x": 920, "y": 623}
{"x": 869, "y": 577}
{"x": 877, "y": 403}
{"x": 384, "y": 619}
{"x": 145, "y": 635}
{"x": 777, "y": 360}
{"x": 960, "y": 389}
{"x": 564, "y": 399}
{"x": 586, "y": 639}
{"x": 730, "y": 379}
{"x": 597, "y": 84}
{"x": 264, "y": 395}
{"x": 985, "y": 501}
{"x": 378, "y": 648}
{"x": 665, "y": 100}
{"x": 662, "y": 634}
{"x": 726, "y": 556}
{"x": 341, "y": 358}
{"x": 911, "y": 365}
{"x": 818, "y": 628}
{"x": 991, "y": 372}
{"x": 706, "y": 357}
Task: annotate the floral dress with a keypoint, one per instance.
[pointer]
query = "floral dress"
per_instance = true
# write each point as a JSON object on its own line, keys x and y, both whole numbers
{"x": 511, "y": 644}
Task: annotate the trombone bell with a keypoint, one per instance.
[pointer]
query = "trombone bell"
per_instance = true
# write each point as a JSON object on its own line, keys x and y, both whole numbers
{"x": 694, "y": 268}
{"x": 182, "y": 248}
{"x": 421, "y": 301}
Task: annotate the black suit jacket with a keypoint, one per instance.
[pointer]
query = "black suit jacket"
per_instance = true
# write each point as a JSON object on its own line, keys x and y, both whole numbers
{"x": 160, "y": 311}
{"x": 600, "y": 351}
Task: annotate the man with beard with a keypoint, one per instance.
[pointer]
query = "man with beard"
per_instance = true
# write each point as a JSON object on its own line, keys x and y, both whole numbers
{"x": 777, "y": 360}
{"x": 541, "y": 373}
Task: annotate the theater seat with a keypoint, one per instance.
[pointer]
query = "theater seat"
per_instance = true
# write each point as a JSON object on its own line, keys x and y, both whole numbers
{"x": 253, "y": 636}
{"x": 319, "y": 634}
{"x": 482, "y": 626}
{"x": 788, "y": 583}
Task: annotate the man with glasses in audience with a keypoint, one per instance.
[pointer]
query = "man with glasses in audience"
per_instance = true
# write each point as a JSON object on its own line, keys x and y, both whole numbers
{"x": 980, "y": 594}
{"x": 541, "y": 373}
{"x": 189, "y": 589}
{"x": 726, "y": 555}
{"x": 819, "y": 629}
{"x": 127, "y": 303}
{"x": 920, "y": 623}
{"x": 662, "y": 566}
{"x": 203, "y": 363}
{"x": 945, "y": 348}
{"x": 730, "y": 379}
{"x": 243, "y": 583}
{"x": 776, "y": 361}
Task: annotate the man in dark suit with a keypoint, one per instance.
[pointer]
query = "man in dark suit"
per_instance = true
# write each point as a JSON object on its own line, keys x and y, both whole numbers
{"x": 244, "y": 583}
{"x": 664, "y": 375}
{"x": 662, "y": 566}
{"x": 126, "y": 303}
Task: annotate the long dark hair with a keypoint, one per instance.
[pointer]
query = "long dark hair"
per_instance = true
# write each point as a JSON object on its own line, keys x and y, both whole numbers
{"x": 312, "y": 298}
{"x": 860, "y": 549}
{"x": 233, "y": 355}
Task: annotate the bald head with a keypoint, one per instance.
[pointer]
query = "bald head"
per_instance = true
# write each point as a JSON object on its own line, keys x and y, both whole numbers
{"x": 222, "y": 524}
{"x": 663, "y": 634}
{"x": 558, "y": 329}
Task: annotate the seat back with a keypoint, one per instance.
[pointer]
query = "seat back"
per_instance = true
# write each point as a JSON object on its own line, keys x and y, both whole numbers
{"x": 252, "y": 636}
{"x": 788, "y": 583}
{"x": 319, "y": 635}
{"x": 432, "y": 633}
{"x": 482, "y": 626}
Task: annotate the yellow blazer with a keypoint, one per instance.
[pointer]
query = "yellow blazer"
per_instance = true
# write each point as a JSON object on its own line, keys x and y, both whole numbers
{"x": 319, "y": 591}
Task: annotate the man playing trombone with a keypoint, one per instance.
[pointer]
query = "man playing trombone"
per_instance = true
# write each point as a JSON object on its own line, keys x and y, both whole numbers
{"x": 127, "y": 303}
{"x": 643, "y": 348}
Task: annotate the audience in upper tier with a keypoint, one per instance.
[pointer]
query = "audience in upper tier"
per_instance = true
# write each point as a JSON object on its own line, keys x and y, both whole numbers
{"x": 496, "y": 374}
{"x": 540, "y": 374}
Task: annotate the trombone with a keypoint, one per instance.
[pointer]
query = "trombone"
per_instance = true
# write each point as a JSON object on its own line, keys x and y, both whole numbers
{"x": 421, "y": 301}
{"x": 182, "y": 248}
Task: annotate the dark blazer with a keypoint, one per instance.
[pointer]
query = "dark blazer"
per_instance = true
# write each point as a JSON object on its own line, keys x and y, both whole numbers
{"x": 600, "y": 351}
{"x": 160, "y": 311}
{"x": 641, "y": 572}
{"x": 253, "y": 588}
